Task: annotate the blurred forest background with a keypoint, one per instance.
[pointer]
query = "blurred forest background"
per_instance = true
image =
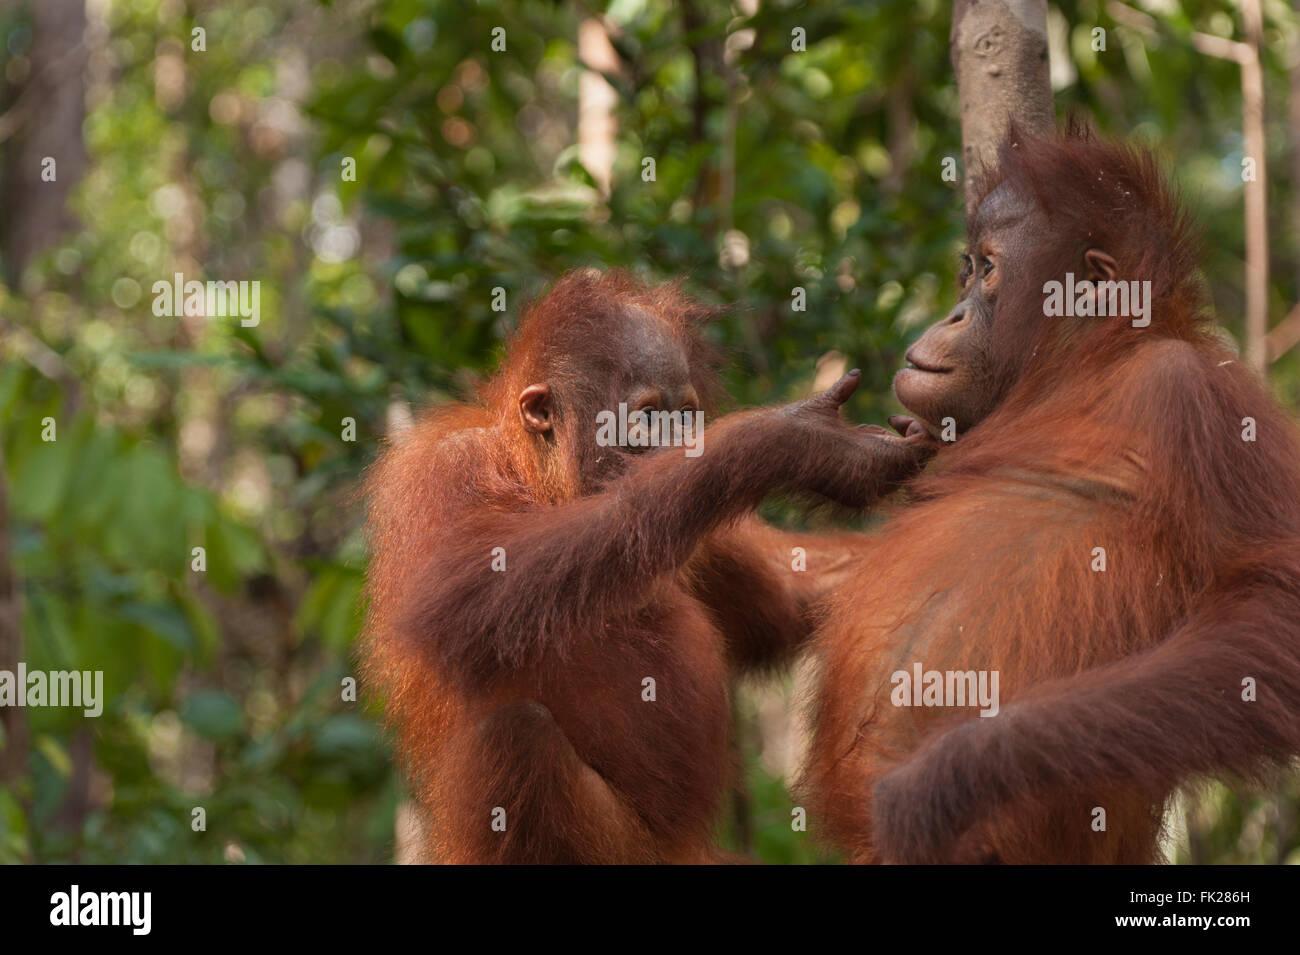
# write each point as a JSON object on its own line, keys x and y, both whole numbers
{"x": 224, "y": 154}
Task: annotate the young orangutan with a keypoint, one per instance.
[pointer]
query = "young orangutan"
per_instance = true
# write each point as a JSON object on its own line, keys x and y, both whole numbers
{"x": 555, "y": 621}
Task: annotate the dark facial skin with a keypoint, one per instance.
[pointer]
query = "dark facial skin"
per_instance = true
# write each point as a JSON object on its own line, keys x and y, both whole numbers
{"x": 950, "y": 368}
{"x": 659, "y": 376}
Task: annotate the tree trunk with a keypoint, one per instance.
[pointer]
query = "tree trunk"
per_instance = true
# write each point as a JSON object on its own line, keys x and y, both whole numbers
{"x": 44, "y": 121}
{"x": 1252, "y": 109}
{"x": 597, "y": 102}
{"x": 1294, "y": 133}
{"x": 999, "y": 53}
{"x": 13, "y": 729}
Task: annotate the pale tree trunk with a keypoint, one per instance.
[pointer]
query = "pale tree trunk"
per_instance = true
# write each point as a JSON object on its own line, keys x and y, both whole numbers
{"x": 999, "y": 53}
{"x": 1247, "y": 56}
{"x": 43, "y": 121}
{"x": 1286, "y": 333}
{"x": 1252, "y": 91}
{"x": 597, "y": 100}
{"x": 1294, "y": 131}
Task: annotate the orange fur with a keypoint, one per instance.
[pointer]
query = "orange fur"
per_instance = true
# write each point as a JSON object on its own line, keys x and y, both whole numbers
{"x": 522, "y": 690}
{"x": 1116, "y": 686}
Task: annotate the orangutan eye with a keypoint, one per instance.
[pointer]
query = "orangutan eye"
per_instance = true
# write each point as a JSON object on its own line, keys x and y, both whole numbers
{"x": 967, "y": 269}
{"x": 988, "y": 268}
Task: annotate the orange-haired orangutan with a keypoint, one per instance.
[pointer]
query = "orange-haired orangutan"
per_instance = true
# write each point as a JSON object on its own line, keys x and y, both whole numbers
{"x": 1115, "y": 536}
{"x": 555, "y": 619}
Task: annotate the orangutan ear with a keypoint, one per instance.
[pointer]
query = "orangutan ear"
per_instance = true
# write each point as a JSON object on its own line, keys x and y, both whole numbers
{"x": 1101, "y": 267}
{"x": 535, "y": 408}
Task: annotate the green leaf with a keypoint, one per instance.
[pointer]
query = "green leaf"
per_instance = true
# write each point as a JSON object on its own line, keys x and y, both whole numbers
{"x": 162, "y": 620}
{"x": 55, "y": 752}
{"x": 213, "y": 714}
{"x": 41, "y": 480}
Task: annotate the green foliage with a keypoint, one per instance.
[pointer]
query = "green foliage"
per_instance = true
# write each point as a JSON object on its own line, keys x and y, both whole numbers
{"x": 817, "y": 169}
